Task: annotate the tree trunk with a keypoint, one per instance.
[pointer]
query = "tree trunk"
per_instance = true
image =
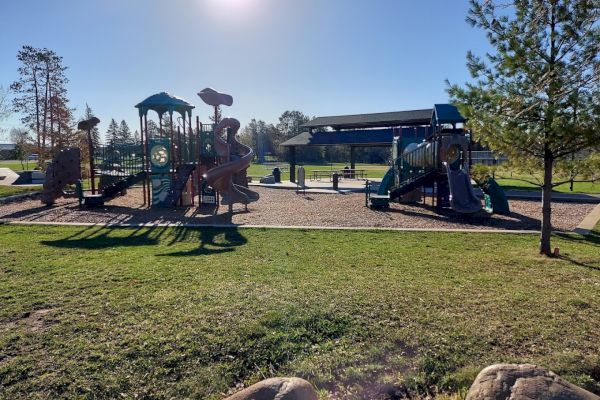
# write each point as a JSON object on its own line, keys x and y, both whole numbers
{"x": 545, "y": 244}
{"x": 37, "y": 114}
{"x": 45, "y": 115}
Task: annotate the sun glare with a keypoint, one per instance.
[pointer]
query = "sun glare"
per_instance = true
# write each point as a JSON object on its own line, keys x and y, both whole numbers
{"x": 233, "y": 6}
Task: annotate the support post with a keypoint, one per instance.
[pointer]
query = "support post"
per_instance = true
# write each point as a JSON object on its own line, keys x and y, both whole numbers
{"x": 142, "y": 148}
{"x": 352, "y": 158}
{"x": 147, "y": 161}
{"x": 293, "y": 164}
{"x": 91, "y": 151}
{"x": 172, "y": 137}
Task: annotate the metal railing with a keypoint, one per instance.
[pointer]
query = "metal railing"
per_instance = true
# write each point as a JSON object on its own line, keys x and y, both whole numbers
{"x": 487, "y": 158}
{"x": 415, "y": 163}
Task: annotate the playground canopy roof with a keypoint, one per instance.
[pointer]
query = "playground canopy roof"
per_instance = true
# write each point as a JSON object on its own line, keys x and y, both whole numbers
{"x": 371, "y": 137}
{"x": 446, "y": 114}
{"x": 376, "y": 120}
{"x": 375, "y": 137}
{"x": 164, "y": 102}
{"x": 361, "y": 129}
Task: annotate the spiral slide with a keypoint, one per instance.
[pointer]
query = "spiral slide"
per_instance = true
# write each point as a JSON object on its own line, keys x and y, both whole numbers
{"x": 221, "y": 177}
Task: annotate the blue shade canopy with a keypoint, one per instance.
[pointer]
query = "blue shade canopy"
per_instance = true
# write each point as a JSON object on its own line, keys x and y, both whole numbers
{"x": 363, "y": 137}
{"x": 164, "y": 102}
{"x": 446, "y": 114}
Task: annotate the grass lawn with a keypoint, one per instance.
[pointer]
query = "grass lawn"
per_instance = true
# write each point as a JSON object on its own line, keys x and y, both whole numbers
{"x": 179, "y": 313}
{"x": 15, "y": 165}
{"x": 578, "y": 187}
{"x": 258, "y": 170}
{"x": 12, "y": 190}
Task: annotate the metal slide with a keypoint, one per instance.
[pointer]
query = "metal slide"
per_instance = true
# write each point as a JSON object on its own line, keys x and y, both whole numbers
{"x": 462, "y": 196}
{"x": 386, "y": 182}
{"x": 221, "y": 176}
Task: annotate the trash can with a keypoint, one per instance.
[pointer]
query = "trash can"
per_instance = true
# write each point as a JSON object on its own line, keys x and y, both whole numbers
{"x": 277, "y": 174}
{"x": 336, "y": 180}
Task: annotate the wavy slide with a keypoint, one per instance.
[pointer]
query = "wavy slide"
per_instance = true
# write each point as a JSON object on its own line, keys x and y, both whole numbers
{"x": 221, "y": 177}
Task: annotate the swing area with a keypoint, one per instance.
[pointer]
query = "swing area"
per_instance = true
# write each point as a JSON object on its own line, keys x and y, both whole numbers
{"x": 174, "y": 165}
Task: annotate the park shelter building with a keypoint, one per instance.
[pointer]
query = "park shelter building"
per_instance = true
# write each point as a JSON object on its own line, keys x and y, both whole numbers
{"x": 363, "y": 130}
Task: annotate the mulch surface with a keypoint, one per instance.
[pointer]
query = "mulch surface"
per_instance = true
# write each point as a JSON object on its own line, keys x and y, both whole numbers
{"x": 278, "y": 207}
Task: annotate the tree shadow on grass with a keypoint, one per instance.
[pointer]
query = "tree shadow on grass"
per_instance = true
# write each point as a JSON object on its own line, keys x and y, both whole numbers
{"x": 592, "y": 239}
{"x": 513, "y": 221}
{"x": 102, "y": 238}
{"x": 579, "y": 263}
{"x": 210, "y": 241}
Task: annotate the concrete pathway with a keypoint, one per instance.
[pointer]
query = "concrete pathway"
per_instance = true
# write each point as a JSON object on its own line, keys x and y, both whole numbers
{"x": 589, "y": 222}
{"x": 8, "y": 176}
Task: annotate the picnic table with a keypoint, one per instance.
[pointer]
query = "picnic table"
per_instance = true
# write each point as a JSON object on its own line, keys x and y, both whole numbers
{"x": 348, "y": 173}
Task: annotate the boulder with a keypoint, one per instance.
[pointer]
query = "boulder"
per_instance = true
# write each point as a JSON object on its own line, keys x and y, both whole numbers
{"x": 524, "y": 382}
{"x": 277, "y": 389}
{"x": 268, "y": 179}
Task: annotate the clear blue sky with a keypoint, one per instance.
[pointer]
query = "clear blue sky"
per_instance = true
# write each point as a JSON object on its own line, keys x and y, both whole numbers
{"x": 323, "y": 57}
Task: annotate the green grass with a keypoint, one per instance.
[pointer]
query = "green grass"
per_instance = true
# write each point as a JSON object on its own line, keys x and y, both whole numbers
{"x": 179, "y": 313}
{"x": 373, "y": 170}
{"x": 15, "y": 165}
{"x": 578, "y": 187}
{"x": 12, "y": 190}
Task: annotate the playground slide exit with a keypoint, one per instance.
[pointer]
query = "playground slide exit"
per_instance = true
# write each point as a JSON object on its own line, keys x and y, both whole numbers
{"x": 221, "y": 176}
{"x": 462, "y": 197}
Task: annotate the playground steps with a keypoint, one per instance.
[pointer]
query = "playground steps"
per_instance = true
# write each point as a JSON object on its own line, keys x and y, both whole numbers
{"x": 379, "y": 201}
{"x": 182, "y": 175}
{"x": 413, "y": 184}
{"x": 113, "y": 190}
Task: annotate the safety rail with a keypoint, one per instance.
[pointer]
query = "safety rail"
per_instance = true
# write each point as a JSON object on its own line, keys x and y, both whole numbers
{"x": 416, "y": 163}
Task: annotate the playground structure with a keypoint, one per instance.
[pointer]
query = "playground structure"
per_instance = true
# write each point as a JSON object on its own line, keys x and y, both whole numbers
{"x": 64, "y": 170}
{"x": 437, "y": 162}
{"x": 173, "y": 164}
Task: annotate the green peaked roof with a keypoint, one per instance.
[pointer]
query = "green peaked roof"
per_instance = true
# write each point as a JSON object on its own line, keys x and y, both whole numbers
{"x": 446, "y": 114}
{"x": 164, "y": 102}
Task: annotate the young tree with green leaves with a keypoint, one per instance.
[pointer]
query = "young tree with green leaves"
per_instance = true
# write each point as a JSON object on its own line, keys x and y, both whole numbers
{"x": 535, "y": 96}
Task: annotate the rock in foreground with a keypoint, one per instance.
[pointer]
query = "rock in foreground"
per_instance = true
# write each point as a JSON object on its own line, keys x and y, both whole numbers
{"x": 277, "y": 389}
{"x": 524, "y": 382}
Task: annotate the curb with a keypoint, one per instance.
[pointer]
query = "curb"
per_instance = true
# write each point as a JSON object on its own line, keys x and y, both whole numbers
{"x": 249, "y": 226}
{"x": 18, "y": 197}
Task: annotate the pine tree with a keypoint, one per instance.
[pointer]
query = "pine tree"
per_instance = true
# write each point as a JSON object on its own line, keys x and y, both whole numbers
{"x": 535, "y": 97}
{"x": 124, "y": 133}
{"x": 219, "y": 116}
{"x": 112, "y": 133}
{"x": 28, "y": 89}
{"x": 95, "y": 133}
{"x": 40, "y": 90}
{"x": 153, "y": 130}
